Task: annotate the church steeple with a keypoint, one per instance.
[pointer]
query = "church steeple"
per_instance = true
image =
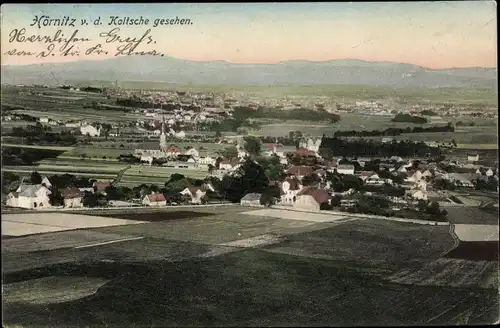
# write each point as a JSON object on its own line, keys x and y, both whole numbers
{"x": 163, "y": 137}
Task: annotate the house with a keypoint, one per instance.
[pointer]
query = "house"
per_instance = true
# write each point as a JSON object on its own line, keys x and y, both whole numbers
{"x": 486, "y": 171}
{"x": 416, "y": 176}
{"x": 252, "y": 199}
{"x": 300, "y": 171}
{"x": 85, "y": 190}
{"x": 196, "y": 194}
{"x": 43, "y": 120}
{"x": 401, "y": 169}
{"x": 228, "y": 165}
{"x": 173, "y": 150}
{"x": 396, "y": 159}
{"x": 427, "y": 174}
{"x": 242, "y": 153}
{"x": 100, "y": 187}
{"x": 311, "y": 198}
{"x": 417, "y": 194}
{"x": 364, "y": 175}
{"x": 46, "y": 182}
{"x": 374, "y": 179}
{"x": 461, "y": 179}
{"x": 418, "y": 190}
{"x": 207, "y": 160}
{"x": 345, "y": 169}
{"x": 472, "y": 158}
{"x": 147, "y": 159}
{"x": 73, "y": 197}
{"x": 348, "y": 203}
{"x": 30, "y": 196}
{"x": 154, "y": 200}
{"x": 303, "y": 152}
{"x": 192, "y": 152}
{"x": 90, "y": 130}
{"x": 290, "y": 187}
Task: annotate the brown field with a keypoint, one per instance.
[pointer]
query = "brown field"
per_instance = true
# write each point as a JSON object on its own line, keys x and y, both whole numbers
{"x": 475, "y": 251}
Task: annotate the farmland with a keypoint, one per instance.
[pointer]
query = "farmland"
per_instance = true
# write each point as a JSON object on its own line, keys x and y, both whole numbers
{"x": 166, "y": 272}
{"x": 138, "y": 174}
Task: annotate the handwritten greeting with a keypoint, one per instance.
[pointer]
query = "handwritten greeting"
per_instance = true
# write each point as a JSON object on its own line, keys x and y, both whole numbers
{"x": 70, "y": 40}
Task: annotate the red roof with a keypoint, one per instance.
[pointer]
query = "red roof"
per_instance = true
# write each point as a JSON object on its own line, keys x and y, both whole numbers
{"x": 304, "y": 152}
{"x": 174, "y": 149}
{"x": 157, "y": 198}
{"x": 319, "y": 195}
{"x": 100, "y": 186}
{"x": 270, "y": 146}
{"x": 70, "y": 193}
{"x": 300, "y": 170}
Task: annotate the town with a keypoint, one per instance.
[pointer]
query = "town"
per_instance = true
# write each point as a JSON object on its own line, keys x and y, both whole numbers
{"x": 386, "y": 177}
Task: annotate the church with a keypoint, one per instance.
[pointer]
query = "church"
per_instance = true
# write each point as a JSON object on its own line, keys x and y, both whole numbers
{"x": 154, "y": 149}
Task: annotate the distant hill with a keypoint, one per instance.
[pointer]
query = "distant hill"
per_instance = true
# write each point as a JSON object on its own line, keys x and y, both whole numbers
{"x": 295, "y": 72}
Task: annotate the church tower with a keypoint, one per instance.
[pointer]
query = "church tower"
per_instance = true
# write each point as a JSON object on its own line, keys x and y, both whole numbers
{"x": 163, "y": 137}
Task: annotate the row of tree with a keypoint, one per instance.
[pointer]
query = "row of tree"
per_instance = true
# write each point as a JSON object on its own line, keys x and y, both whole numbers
{"x": 361, "y": 147}
{"x": 394, "y": 131}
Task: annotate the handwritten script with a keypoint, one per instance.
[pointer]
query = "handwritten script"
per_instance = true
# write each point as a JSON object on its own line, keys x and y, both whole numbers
{"x": 73, "y": 39}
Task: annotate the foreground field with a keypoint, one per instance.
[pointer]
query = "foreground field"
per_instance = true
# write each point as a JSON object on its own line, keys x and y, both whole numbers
{"x": 316, "y": 274}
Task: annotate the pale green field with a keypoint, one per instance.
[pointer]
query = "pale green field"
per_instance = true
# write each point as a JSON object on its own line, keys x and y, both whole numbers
{"x": 477, "y": 146}
{"x": 138, "y": 174}
{"x": 38, "y": 147}
{"x": 100, "y": 176}
{"x": 96, "y": 152}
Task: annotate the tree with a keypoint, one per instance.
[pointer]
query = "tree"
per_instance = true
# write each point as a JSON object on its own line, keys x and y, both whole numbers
{"x": 89, "y": 199}
{"x": 422, "y": 205}
{"x": 311, "y": 180}
{"x": 252, "y": 145}
{"x": 454, "y": 143}
{"x": 35, "y": 177}
{"x": 250, "y": 178}
{"x": 106, "y": 127}
{"x": 211, "y": 168}
{"x": 336, "y": 199}
{"x": 230, "y": 152}
{"x": 218, "y": 134}
{"x": 434, "y": 209}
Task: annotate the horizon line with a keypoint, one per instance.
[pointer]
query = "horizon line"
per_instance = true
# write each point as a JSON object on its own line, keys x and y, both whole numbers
{"x": 234, "y": 63}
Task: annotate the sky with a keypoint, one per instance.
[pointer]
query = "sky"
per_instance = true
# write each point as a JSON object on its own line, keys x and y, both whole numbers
{"x": 438, "y": 34}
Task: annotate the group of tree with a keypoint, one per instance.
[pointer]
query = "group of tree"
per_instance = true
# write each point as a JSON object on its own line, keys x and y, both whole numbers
{"x": 369, "y": 148}
{"x": 394, "y": 131}
{"x": 26, "y": 156}
{"x": 303, "y": 114}
{"x": 43, "y": 135}
{"x": 431, "y": 208}
{"x": 249, "y": 178}
{"x": 407, "y": 118}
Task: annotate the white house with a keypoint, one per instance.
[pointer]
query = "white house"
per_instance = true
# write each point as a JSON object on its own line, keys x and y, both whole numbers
{"x": 252, "y": 199}
{"x": 374, "y": 179}
{"x": 345, "y": 169}
{"x": 73, "y": 197}
{"x": 90, "y": 130}
{"x": 242, "y": 153}
{"x": 227, "y": 165}
{"x": 195, "y": 193}
{"x": 29, "y": 196}
{"x": 417, "y": 176}
{"x": 43, "y": 120}
{"x": 473, "y": 158}
{"x": 291, "y": 187}
{"x": 46, "y": 182}
{"x": 192, "y": 152}
{"x": 147, "y": 159}
{"x": 311, "y": 199}
{"x": 154, "y": 200}
{"x": 207, "y": 160}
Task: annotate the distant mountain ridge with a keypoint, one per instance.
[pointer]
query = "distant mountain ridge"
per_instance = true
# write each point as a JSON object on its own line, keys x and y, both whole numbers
{"x": 292, "y": 72}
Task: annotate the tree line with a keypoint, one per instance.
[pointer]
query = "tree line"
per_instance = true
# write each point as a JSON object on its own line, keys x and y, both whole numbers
{"x": 394, "y": 131}
{"x": 303, "y": 114}
{"x": 370, "y": 148}
{"x": 407, "y": 118}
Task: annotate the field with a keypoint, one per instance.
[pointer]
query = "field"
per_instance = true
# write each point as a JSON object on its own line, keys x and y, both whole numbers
{"x": 167, "y": 272}
{"x": 339, "y": 92}
{"x": 138, "y": 174}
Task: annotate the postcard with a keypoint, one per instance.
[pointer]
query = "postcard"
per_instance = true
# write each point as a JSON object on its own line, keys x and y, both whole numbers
{"x": 249, "y": 164}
